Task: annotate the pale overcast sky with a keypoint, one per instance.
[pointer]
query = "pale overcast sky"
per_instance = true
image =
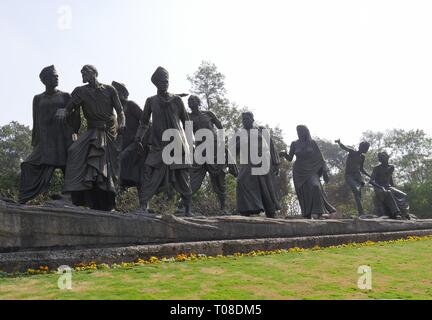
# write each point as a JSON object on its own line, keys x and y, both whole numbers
{"x": 340, "y": 67}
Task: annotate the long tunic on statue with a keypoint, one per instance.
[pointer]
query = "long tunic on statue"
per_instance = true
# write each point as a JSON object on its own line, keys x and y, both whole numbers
{"x": 131, "y": 161}
{"x": 93, "y": 158}
{"x": 166, "y": 112}
{"x": 50, "y": 141}
{"x": 307, "y": 170}
{"x": 257, "y": 193}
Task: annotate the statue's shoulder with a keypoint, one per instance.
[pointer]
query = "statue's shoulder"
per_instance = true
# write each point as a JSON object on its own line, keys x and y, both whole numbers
{"x": 152, "y": 98}
{"x": 80, "y": 89}
{"x": 377, "y": 167}
{"x": 108, "y": 87}
{"x": 133, "y": 104}
{"x": 36, "y": 100}
{"x": 63, "y": 93}
{"x": 38, "y": 96}
{"x": 209, "y": 113}
{"x": 175, "y": 98}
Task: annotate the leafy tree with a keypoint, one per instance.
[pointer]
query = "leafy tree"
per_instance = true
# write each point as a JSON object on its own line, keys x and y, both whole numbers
{"x": 209, "y": 84}
{"x": 15, "y": 146}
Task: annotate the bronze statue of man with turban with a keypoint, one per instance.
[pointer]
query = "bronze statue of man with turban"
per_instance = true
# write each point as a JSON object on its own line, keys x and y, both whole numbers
{"x": 167, "y": 111}
{"x": 50, "y": 140}
{"x": 92, "y": 164}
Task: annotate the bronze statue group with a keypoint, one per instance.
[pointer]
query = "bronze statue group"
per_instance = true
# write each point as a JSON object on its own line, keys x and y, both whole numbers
{"x": 122, "y": 146}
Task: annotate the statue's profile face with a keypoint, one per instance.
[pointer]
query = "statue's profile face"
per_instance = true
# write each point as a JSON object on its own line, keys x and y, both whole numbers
{"x": 364, "y": 148}
{"x": 162, "y": 85}
{"x": 51, "y": 80}
{"x": 383, "y": 158}
{"x": 302, "y": 133}
{"x": 87, "y": 75}
{"x": 194, "y": 103}
{"x": 247, "y": 122}
{"x": 122, "y": 96}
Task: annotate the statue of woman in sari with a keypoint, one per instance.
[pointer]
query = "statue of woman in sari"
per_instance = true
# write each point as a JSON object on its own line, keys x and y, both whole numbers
{"x": 308, "y": 169}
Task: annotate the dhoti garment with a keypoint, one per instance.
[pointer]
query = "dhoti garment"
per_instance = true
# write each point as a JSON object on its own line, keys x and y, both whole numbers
{"x": 92, "y": 167}
{"x": 35, "y": 176}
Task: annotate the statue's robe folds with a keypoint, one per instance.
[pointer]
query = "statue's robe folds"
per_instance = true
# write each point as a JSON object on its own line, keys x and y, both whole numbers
{"x": 92, "y": 165}
{"x": 131, "y": 159}
{"x": 166, "y": 112}
{"x": 392, "y": 201}
{"x": 50, "y": 141}
{"x": 307, "y": 171}
{"x": 258, "y": 193}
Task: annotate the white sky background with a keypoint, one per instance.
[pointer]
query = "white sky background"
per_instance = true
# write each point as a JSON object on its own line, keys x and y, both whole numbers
{"x": 340, "y": 67}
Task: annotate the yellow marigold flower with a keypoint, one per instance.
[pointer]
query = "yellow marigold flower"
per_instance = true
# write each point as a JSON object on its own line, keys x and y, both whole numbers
{"x": 153, "y": 260}
{"x": 181, "y": 257}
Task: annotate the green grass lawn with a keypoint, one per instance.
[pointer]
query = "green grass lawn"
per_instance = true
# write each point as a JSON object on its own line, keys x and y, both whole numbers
{"x": 401, "y": 270}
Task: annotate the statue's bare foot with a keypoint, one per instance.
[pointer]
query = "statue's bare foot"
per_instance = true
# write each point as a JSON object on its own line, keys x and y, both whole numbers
{"x": 224, "y": 212}
{"x": 271, "y": 215}
{"x": 189, "y": 214}
{"x": 146, "y": 212}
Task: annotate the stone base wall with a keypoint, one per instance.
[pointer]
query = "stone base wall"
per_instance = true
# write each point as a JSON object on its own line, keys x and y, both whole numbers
{"x": 21, "y": 261}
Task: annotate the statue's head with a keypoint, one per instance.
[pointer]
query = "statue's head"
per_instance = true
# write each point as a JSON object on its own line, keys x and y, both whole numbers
{"x": 364, "y": 146}
{"x": 121, "y": 90}
{"x": 160, "y": 79}
{"x": 383, "y": 157}
{"x": 248, "y": 120}
{"x": 303, "y": 133}
{"x": 194, "y": 102}
{"x": 49, "y": 77}
{"x": 89, "y": 73}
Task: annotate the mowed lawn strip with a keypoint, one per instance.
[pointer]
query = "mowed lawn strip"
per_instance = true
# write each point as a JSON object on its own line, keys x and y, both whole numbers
{"x": 401, "y": 270}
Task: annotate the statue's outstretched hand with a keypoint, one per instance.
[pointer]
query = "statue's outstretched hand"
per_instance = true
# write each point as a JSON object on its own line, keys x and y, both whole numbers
{"x": 283, "y": 154}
